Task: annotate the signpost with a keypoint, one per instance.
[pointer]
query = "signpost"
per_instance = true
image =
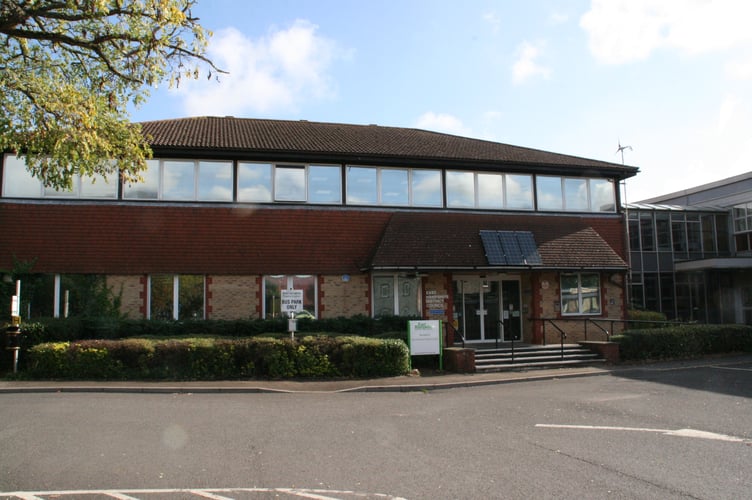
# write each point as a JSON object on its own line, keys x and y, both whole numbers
{"x": 291, "y": 303}
{"x": 424, "y": 338}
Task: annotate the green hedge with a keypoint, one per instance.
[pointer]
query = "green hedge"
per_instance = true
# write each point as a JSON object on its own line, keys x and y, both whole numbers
{"x": 218, "y": 358}
{"x": 683, "y": 341}
{"x": 70, "y": 329}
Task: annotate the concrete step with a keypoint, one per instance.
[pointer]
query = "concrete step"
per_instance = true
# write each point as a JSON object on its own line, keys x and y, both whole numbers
{"x": 527, "y": 357}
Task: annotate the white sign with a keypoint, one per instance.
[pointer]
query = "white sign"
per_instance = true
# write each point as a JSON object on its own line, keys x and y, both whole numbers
{"x": 292, "y": 301}
{"x": 425, "y": 337}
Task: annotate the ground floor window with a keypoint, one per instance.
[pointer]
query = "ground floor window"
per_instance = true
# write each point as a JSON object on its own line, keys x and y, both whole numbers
{"x": 395, "y": 296}
{"x": 273, "y": 286}
{"x": 580, "y": 293}
{"x": 179, "y": 297}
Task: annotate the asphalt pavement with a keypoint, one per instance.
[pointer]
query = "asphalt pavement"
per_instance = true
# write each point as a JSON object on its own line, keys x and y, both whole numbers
{"x": 426, "y": 381}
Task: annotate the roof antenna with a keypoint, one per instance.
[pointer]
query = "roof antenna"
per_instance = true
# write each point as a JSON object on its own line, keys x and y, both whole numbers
{"x": 621, "y": 149}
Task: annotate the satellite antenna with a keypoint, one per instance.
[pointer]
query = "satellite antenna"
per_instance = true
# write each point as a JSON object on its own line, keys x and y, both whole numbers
{"x": 621, "y": 149}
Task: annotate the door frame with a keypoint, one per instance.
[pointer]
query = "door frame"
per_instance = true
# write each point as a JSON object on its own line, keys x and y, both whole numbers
{"x": 477, "y": 281}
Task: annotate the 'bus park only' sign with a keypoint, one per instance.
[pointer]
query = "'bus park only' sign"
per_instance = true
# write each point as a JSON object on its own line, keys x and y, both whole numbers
{"x": 292, "y": 301}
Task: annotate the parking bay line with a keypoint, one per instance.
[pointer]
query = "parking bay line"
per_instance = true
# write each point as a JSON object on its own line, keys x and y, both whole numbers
{"x": 692, "y": 433}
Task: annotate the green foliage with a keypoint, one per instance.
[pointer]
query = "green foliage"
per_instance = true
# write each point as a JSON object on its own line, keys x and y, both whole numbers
{"x": 645, "y": 319}
{"x": 71, "y": 69}
{"x": 77, "y": 328}
{"x": 683, "y": 341}
{"x": 212, "y": 359}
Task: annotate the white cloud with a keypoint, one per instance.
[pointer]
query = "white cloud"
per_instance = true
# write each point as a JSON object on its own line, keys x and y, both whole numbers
{"x": 441, "y": 122}
{"x": 622, "y": 31}
{"x": 275, "y": 72}
{"x": 526, "y": 66}
{"x": 493, "y": 19}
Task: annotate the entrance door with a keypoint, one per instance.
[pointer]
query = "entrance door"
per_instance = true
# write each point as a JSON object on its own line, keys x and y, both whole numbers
{"x": 482, "y": 306}
{"x": 511, "y": 313}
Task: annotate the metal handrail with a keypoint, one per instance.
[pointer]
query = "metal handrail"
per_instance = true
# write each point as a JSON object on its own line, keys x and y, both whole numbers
{"x": 604, "y": 330}
{"x": 455, "y": 332}
{"x": 562, "y": 334}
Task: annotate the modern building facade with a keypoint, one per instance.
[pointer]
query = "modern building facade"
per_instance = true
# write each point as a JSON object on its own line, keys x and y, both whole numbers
{"x": 366, "y": 220}
{"x": 691, "y": 252}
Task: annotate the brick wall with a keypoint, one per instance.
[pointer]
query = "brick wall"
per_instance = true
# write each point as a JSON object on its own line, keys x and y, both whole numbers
{"x": 339, "y": 297}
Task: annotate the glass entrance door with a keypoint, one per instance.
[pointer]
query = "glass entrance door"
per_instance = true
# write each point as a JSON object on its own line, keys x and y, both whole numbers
{"x": 477, "y": 308}
{"x": 511, "y": 313}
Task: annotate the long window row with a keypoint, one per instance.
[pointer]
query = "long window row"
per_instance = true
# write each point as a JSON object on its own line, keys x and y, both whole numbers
{"x": 250, "y": 182}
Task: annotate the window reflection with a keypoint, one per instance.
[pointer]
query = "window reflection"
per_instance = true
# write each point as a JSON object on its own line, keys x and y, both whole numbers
{"x": 426, "y": 188}
{"x": 394, "y": 187}
{"x": 254, "y": 182}
{"x": 460, "y": 189}
{"x": 361, "y": 186}
{"x": 519, "y": 191}
{"x": 289, "y": 184}
{"x": 215, "y": 181}
{"x": 148, "y": 188}
{"x": 576, "y": 194}
{"x": 178, "y": 181}
{"x": 603, "y": 195}
{"x": 549, "y": 193}
{"x": 490, "y": 191}
{"x": 324, "y": 184}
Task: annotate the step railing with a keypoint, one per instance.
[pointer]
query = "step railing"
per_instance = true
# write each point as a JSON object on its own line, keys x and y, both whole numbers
{"x": 453, "y": 333}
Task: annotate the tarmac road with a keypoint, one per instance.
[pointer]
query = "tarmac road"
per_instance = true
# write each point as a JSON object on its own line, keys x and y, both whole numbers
{"x": 672, "y": 430}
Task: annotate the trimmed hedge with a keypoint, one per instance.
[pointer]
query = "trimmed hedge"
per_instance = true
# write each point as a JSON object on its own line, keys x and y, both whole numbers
{"x": 683, "y": 341}
{"x": 71, "y": 329}
{"x": 218, "y": 358}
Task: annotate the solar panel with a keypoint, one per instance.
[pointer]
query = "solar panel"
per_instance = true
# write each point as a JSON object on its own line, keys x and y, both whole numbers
{"x": 510, "y": 248}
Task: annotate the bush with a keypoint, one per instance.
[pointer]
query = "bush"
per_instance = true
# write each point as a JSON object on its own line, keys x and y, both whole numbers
{"x": 211, "y": 359}
{"x": 72, "y": 329}
{"x": 683, "y": 341}
{"x": 645, "y": 319}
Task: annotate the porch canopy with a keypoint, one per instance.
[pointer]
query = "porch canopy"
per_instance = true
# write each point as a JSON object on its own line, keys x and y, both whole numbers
{"x": 415, "y": 241}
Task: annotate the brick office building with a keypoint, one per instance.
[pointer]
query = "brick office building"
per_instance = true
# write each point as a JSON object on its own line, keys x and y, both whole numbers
{"x": 364, "y": 219}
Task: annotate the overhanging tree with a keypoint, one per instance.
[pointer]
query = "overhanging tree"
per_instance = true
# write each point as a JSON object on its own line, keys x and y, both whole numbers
{"x": 69, "y": 69}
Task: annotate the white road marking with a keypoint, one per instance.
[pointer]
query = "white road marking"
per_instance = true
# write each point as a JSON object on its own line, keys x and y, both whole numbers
{"x": 693, "y": 433}
{"x": 210, "y": 493}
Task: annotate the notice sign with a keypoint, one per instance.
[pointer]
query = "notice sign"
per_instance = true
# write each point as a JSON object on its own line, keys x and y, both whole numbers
{"x": 292, "y": 301}
{"x": 424, "y": 337}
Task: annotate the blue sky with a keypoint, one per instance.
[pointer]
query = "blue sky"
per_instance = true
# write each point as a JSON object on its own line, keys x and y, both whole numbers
{"x": 670, "y": 78}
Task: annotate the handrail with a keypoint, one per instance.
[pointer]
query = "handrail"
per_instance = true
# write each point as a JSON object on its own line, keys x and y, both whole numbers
{"x": 604, "y": 330}
{"x": 455, "y": 332}
{"x": 562, "y": 334}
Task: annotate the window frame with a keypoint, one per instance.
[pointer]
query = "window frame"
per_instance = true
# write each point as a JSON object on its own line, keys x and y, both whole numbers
{"x": 565, "y": 299}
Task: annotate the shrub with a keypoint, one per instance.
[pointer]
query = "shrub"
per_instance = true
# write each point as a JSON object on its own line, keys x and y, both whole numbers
{"x": 210, "y": 358}
{"x": 645, "y": 319}
{"x": 683, "y": 341}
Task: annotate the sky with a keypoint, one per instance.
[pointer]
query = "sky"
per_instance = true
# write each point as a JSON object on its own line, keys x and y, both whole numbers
{"x": 669, "y": 80}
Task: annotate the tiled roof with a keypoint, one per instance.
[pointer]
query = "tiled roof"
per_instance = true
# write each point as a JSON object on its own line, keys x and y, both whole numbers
{"x": 350, "y": 142}
{"x": 425, "y": 241}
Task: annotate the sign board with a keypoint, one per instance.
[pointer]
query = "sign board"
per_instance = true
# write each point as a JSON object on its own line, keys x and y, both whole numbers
{"x": 424, "y": 337}
{"x": 292, "y": 301}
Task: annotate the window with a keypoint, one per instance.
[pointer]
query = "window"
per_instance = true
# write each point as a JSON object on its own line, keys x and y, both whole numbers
{"x": 603, "y": 195}
{"x": 362, "y": 185}
{"x": 426, "y": 188}
{"x": 148, "y": 189}
{"x": 395, "y": 296}
{"x": 289, "y": 183}
{"x": 254, "y": 182}
{"x": 183, "y": 180}
{"x": 549, "y": 193}
{"x": 460, "y": 187}
{"x": 324, "y": 184}
{"x": 273, "y": 286}
{"x": 491, "y": 191}
{"x": 580, "y": 293}
{"x": 518, "y": 191}
{"x": 19, "y": 183}
{"x": 576, "y": 194}
{"x": 178, "y": 297}
{"x": 395, "y": 187}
